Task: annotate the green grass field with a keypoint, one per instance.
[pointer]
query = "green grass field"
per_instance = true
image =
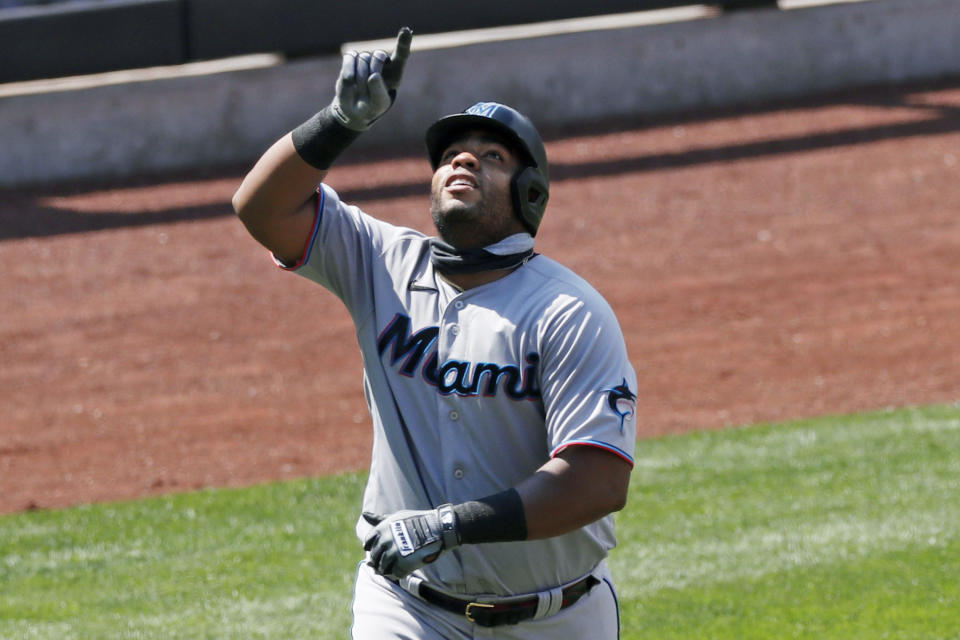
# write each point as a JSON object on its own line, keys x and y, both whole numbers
{"x": 844, "y": 527}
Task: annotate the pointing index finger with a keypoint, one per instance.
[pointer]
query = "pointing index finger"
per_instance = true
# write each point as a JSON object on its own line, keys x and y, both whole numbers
{"x": 393, "y": 68}
{"x": 402, "y": 49}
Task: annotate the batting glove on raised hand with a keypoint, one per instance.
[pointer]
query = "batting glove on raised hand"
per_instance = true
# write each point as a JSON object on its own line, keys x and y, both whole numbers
{"x": 407, "y": 540}
{"x": 368, "y": 83}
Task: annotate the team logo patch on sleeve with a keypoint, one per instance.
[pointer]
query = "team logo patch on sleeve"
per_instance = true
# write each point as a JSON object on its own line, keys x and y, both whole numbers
{"x": 622, "y": 402}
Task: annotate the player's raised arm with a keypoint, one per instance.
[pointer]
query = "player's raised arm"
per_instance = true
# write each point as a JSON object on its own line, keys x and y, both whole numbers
{"x": 276, "y": 200}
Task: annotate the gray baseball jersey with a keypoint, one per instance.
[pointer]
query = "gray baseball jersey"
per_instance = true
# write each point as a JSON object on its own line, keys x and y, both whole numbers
{"x": 471, "y": 392}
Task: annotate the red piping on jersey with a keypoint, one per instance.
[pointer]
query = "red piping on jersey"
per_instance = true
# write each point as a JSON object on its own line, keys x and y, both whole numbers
{"x": 313, "y": 235}
{"x": 593, "y": 443}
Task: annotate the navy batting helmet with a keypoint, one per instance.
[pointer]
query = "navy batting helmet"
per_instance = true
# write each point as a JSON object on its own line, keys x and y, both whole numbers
{"x": 530, "y": 187}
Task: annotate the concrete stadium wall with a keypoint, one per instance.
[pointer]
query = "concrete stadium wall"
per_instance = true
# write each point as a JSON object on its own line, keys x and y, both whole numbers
{"x": 231, "y": 117}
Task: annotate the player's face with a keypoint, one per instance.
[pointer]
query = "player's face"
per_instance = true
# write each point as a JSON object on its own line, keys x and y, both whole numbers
{"x": 470, "y": 195}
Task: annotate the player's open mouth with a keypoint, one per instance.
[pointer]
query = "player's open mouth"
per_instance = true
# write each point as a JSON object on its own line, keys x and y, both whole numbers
{"x": 460, "y": 182}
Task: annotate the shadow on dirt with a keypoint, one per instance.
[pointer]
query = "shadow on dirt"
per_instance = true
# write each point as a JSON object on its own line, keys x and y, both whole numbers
{"x": 26, "y": 213}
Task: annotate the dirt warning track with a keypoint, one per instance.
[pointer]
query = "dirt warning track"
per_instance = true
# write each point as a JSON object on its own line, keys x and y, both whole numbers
{"x": 765, "y": 265}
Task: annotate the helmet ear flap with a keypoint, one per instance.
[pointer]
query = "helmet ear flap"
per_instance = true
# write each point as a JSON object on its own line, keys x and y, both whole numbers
{"x": 530, "y": 191}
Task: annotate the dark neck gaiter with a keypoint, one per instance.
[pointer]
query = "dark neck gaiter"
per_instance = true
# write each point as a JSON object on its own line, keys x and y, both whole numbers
{"x": 509, "y": 253}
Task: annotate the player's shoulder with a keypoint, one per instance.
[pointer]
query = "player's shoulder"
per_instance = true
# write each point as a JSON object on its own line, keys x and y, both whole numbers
{"x": 564, "y": 303}
{"x": 559, "y": 279}
{"x": 559, "y": 294}
{"x": 393, "y": 238}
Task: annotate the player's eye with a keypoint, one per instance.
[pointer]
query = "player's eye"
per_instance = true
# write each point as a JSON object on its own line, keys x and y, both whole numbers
{"x": 449, "y": 155}
{"x": 494, "y": 154}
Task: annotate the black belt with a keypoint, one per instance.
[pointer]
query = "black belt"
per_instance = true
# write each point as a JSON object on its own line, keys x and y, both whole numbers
{"x": 494, "y": 614}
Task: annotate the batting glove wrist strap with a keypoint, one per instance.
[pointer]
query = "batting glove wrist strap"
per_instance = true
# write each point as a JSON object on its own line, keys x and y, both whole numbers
{"x": 449, "y": 530}
{"x": 322, "y": 138}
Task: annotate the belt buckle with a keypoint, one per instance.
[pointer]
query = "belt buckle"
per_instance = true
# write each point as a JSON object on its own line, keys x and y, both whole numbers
{"x": 479, "y": 605}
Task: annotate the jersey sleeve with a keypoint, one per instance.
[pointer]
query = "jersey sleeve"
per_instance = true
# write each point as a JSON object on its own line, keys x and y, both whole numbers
{"x": 342, "y": 247}
{"x": 587, "y": 381}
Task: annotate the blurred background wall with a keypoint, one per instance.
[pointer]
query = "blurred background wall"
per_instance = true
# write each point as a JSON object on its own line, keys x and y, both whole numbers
{"x": 181, "y": 84}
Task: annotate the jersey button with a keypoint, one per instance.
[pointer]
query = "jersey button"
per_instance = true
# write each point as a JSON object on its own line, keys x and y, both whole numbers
{"x": 455, "y": 330}
{"x": 454, "y": 415}
{"x": 458, "y": 473}
{"x": 458, "y": 304}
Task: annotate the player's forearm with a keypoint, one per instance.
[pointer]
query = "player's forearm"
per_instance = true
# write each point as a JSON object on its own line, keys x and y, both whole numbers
{"x": 566, "y": 493}
{"x": 275, "y": 200}
{"x": 571, "y": 491}
{"x": 580, "y": 486}
{"x": 277, "y": 186}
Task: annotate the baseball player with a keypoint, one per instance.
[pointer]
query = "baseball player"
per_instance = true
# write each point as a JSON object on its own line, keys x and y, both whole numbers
{"x": 499, "y": 385}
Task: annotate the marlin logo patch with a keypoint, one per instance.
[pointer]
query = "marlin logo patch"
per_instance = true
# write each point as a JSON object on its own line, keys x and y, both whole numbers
{"x": 622, "y": 402}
